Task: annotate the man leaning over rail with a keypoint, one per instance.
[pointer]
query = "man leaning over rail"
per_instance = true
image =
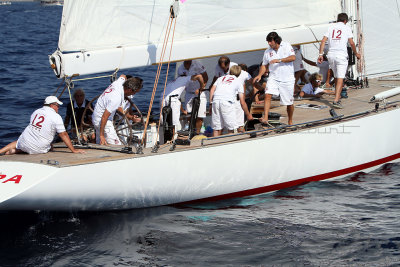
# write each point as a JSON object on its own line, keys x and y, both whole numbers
{"x": 45, "y": 122}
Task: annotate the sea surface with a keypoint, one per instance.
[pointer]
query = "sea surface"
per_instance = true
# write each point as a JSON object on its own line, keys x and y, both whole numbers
{"x": 354, "y": 221}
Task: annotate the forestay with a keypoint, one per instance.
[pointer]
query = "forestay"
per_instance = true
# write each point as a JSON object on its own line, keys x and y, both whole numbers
{"x": 102, "y": 35}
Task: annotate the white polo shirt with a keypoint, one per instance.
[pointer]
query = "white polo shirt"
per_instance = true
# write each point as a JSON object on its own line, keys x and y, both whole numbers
{"x": 227, "y": 87}
{"x": 219, "y": 72}
{"x": 338, "y": 35}
{"x": 177, "y": 86}
{"x": 283, "y": 71}
{"x": 111, "y": 99}
{"x": 194, "y": 69}
{"x": 38, "y": 135}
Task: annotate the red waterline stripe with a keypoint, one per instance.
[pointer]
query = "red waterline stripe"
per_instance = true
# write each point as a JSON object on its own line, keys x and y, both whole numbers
{"x": 319, "y": 177}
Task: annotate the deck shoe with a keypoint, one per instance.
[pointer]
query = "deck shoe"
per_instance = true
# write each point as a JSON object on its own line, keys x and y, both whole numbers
{"x": 337, "y": 104}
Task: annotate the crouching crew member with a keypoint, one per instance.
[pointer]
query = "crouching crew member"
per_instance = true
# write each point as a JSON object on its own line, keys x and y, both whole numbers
{"x": 174, "y": 91}
{"x": 222, "y": 101}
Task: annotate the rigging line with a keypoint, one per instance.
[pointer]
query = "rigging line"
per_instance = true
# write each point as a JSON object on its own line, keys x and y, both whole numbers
{"x": 314, "y": 36}
{"x": 73, "y": 116}
{"x": 165, "y": 84}
{"x": 59, "y": 87}
{"x": 166, "y": 37}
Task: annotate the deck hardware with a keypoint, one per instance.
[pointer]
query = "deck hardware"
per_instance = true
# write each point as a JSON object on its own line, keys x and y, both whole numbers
{"x": 127, "y": 150}
{"x": 156, "y": 147}
{"x": 333, "y": 113}
{"x": 139, "y": 149}
{"x": 53, "y": 162}
{"x": 173, "y": 147}
{"x": 376, "y": 107}
{"x": 253, "y": 135}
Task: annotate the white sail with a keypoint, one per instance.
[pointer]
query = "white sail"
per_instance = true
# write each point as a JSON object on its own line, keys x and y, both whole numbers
{"x": 381, "y": 27}
{"x": 102, "y": 35}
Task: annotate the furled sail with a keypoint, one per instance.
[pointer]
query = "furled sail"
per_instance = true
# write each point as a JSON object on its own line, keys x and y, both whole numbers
{"x": 102, "y": 35}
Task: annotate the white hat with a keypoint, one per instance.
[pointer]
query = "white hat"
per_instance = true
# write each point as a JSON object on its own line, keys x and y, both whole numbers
{"x": 52, "y": 99}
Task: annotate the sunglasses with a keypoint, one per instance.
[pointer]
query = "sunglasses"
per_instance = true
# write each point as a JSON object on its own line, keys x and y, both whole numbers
{"x": 318, "y": 81}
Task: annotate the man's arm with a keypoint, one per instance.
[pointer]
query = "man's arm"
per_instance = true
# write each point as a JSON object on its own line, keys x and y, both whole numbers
{"x": 213, "y": 81}
{"x": 64, "y": 136}
{"x": 199, "y": 77}
{"x": 321, "y": 49}
{"x": 103, "y": 122}
{"x": 244, "y": 107}
{"x": 205, "y": 77}
{"x": 353, "y": 47}
{"x": 212, "y": 91}
{"x": 284, "y": 60}
{"x": 309, "y": 62}
{"x": 263, "y": 69}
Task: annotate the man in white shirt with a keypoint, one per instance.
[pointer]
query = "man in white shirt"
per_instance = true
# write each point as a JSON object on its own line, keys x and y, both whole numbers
{"x": 174, "y": 91}
{"x": 45, "y": 122}
{"x": 278, "y": 59}
{"x": 222, "y": 68}
{"x": 190, "y": 68}
{"x": 108, "y": 103}
{"x": 338, "y": 35}
{"x": 222, "y": 101}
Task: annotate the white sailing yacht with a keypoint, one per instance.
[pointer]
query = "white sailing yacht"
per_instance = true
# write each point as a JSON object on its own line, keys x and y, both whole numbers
{"x": 109, "y": 35}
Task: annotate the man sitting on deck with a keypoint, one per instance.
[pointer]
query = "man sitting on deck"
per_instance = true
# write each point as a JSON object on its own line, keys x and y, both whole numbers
{"x": 108, "y": 103}
{"x": 312, "y": 89}
{"x": 45, "y": 122}
{"x": 79, "y": 102}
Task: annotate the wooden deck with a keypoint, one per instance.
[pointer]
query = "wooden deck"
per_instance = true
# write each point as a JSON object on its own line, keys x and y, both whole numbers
{"x": 357, "y": 101}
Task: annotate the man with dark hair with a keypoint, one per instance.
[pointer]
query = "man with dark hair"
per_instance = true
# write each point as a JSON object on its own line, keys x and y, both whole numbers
{"x": 45, "y": 122}
{"x": 108, "y": 103}
{"x": 222, "y": 68}
{"x": 278, "y": 60}
{"x": 338, "y": 35}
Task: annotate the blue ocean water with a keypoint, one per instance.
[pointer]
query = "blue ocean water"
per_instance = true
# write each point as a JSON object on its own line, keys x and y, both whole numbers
{"x": 353, "y": 221}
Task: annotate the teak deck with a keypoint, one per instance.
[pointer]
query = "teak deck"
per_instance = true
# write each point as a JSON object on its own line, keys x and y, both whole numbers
{"x": 358, "y": 101}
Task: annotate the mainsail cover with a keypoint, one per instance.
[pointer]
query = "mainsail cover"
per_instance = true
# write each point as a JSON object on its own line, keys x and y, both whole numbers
{"x": 102, "y": 35}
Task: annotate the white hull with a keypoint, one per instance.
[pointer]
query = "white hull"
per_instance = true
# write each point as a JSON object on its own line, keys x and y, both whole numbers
{"x": 236, "y": 169}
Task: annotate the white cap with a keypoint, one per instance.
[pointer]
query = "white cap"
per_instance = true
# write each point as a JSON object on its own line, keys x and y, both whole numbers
{"x": 52, "y": 99}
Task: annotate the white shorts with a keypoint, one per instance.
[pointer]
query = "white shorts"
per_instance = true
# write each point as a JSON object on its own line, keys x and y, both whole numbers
{"x": 338, "y": 64}
{"x": 22, "y": 145}
{"x": 109, "y": 133}
{"x": 223, "y": 115}
{"x": 239, "y": 114}
{"x": 176, "y": 112}
{"x": 284, "y": 89}
{"x": 203, "y": 105}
